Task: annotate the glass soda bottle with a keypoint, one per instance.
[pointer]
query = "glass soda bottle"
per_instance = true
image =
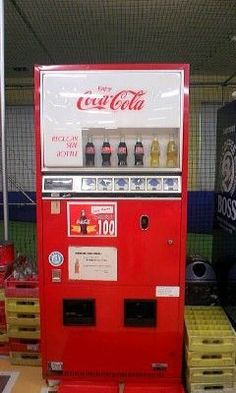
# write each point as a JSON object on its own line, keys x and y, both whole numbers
{"x": 122, "y": 153}
{"x": 155, "y": 153}
{"x": 106, "y": 152}
{"x": 172, "y": 153}
{"x": 77, "y": 266}
{"x": 138, "y": 152}
{"x": 90, "y": 152}
{"x": 83, "y": 222}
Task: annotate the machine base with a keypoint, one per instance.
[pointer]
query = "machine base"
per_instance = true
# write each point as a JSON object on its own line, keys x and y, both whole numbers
{"x": 79, "y": 387}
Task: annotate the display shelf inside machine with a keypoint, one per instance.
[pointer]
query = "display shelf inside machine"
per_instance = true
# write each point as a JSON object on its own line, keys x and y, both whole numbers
{"x": 132, "y": 148}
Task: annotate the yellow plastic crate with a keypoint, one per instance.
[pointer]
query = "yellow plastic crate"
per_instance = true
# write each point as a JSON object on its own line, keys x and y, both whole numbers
{"x": 28, "y": 319}
{"x": 23, "y": 331}
{"x": 208, "y": 321}
{"x": 2, "y": 294}
{"x": 210, "y": 374}
{"x": 224, "y": 387}
{"x": 3, "y": 334}
{"x": 209, "y": 359}
{"x": 22, "y": 305}
{"x": 204, "y": 314}
{"x": 198, "y": 320}
{"x": 200, "y": 341}
{"x": 212, "y": 310}
{"x": 200, "y": 314}
{"x": 208, "y": 330}
{"x": 25, "y": 358}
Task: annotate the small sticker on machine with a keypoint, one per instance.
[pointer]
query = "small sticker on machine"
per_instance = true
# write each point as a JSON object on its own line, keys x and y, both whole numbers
{"x": 102, "y": 209}
{"x": 170, "y": 291}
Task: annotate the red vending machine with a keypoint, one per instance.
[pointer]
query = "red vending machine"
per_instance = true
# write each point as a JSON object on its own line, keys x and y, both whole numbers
{"x": 111, "y": 210}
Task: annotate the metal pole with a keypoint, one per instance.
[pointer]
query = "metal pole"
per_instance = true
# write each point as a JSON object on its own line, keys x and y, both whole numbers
{"x": 2, "y": 115}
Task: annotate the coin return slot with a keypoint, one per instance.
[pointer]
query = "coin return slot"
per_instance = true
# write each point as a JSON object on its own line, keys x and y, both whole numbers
{"x": 140, "y": 313}
{"x": 79, "y": 312}
{"x": 144, "y": 222}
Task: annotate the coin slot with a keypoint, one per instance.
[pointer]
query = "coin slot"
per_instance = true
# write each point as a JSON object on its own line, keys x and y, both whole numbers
{"x": 144, "y": 222}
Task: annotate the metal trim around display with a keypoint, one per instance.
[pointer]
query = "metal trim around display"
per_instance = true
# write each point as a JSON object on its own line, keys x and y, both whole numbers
{"x": 111, "y": 195}
{"x": 101, "y": 68}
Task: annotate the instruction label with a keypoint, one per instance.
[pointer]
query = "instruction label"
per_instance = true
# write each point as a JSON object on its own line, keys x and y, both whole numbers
{"x": 93, "y": 263}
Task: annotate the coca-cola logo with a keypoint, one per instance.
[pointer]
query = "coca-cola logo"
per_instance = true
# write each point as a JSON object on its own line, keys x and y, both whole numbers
{"x": 122, "y": 150}
{"x": 139, "y": 150}
{"x": 83, "y": 221}
{"x": 90, "y": 150}
{"x": 106, "y": 149}
{"x": 123, "y": 100}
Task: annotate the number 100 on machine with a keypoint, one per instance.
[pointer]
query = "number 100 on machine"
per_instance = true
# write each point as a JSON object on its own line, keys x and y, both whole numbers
{"x": 92, "y": 219}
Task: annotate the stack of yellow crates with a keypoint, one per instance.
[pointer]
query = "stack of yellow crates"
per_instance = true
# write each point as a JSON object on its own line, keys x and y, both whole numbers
{"x": 210, "y": 350}
{"x": 23, "y": 322}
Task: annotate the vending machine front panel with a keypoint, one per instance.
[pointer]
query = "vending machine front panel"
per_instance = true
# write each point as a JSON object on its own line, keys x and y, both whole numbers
{"x": 111, "y": 208}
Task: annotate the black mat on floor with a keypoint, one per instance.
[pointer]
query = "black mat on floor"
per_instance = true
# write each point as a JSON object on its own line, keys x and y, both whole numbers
{"x": 3, "y": 382}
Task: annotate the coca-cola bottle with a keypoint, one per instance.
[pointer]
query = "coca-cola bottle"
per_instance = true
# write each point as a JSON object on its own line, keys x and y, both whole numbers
{"x": 83, "y": 222}
{"x": 77, "y": 266}
{"x": 138, "y": 152}
{"x": 106, "y": 152}
{"x": 90, "y": 152}
{"x": 122, "y": 153}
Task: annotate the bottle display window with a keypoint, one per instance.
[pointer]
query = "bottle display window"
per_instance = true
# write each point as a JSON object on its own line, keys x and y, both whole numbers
{"x": 130, "y": 148}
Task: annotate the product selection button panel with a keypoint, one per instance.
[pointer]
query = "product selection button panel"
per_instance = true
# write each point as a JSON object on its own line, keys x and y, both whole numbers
{"x": 75, "y": 186}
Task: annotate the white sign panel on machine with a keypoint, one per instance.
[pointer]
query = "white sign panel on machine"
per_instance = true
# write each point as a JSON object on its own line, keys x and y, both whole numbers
{"x": 73, "y": 101}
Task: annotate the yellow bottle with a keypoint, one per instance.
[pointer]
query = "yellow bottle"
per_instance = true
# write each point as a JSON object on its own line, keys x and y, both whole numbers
{"x": 155, "y": 153}
{"x": 172, "y": 154}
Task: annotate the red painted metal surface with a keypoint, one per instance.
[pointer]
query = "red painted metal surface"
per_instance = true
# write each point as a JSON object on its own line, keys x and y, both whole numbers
{"x": 109, "y": 351}
{"x": 77, "y": 387}
{"x": 4, "y": 348}
{"x": 2, "y": 313}
{"x": 6, "y": 253}
{"x": 147, "y": 258}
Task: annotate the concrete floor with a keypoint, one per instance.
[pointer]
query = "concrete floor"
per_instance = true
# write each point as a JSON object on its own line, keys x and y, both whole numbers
{"x": 29, "y": 379}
